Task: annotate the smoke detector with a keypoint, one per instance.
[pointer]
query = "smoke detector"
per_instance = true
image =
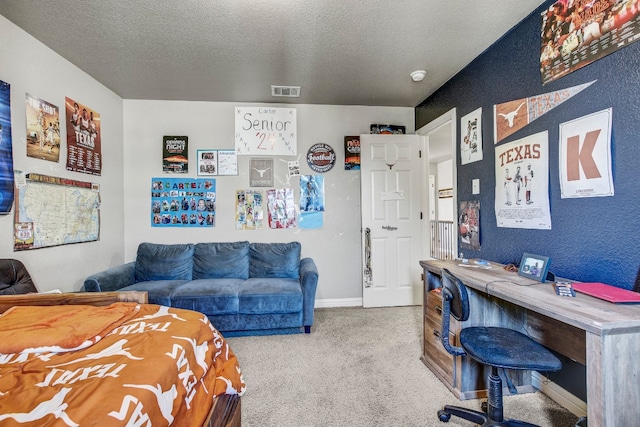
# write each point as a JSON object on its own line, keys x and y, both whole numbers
{"x": 418, "y": 75}
{"x": 286, "y": 91}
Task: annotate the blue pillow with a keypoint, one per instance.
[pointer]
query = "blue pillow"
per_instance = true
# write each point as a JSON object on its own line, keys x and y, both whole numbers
{"x": 277, "y": 260}
{"x": 164, "y": 262}
{"x": 221, "y": 261}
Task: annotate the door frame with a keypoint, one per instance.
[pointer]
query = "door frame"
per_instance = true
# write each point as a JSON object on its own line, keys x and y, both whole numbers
{"x": 447, "y": 119}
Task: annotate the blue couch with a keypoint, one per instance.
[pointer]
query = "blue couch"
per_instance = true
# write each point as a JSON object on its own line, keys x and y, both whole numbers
{"x": 244, "y": 288}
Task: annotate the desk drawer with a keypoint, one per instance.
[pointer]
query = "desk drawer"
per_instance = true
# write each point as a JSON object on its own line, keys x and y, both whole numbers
{"x": 434, "y": 352}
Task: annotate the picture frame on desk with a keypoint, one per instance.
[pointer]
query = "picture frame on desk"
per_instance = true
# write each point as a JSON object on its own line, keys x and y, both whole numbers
{"x": 534, "y": 267}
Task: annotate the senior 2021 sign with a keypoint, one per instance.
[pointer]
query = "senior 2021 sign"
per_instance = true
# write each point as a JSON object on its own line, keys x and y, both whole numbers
{"x": 266, "y": 131}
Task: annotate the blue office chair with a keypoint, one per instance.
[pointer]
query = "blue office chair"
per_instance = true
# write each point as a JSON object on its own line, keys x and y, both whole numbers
{"x": 492, "y": 346}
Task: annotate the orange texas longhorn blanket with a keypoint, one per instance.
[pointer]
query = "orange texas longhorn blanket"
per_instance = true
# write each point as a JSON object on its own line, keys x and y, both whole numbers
{"x": 152, "y": 366}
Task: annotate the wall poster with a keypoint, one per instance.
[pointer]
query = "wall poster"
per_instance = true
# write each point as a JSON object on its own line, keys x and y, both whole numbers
{"x": 43, "y": 129}
{"x": 281, "y": 208}
{"x": 352, "y": 153}
{"x": 249, "y": 210}
{"x": 471, "y": 137}
{"x": 6, "y": 151}
{"x": 261, "y": 172}
{"x": 469, "y": 224}
{"x": 311, "y": 201}
{"x": 175, "y": 154}
{"x": 585, "y": 156}
{"x": 183, "y": 202}
{"x": 52, "y": 211}
{"x": 522, "y": 183}
{"x": 84, "y": 145}
{"x": 266, "y": 131}
{"x": 578, "y": 32}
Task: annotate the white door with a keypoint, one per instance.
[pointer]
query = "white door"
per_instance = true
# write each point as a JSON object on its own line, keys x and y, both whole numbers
{"x": 391, "y": 200}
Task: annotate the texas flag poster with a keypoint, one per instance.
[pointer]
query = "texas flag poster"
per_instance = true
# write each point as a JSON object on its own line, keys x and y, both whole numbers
{"x": 585, "y": 156}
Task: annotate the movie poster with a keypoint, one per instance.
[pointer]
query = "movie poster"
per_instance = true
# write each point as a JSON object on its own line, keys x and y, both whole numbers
{"x": 84, "y": 153}
{"x": 183, "y": 202}
{"x": 352, "y": 153}
{"x": 576, "y": 33}
{"x": 175, "y": 154}
{"x": 522, "y": 183}
{"x": 249, "y": 210}
{"x": 281, "y": 208}
{"x": 43, "y": 129}
{"x": 6, "y": 152}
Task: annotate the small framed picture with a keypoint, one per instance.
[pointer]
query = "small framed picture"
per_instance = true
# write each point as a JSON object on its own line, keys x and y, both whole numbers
{"x": 534, "y": 266}
{"x": 207, "y": 162}
{"x": 261, "y": 173}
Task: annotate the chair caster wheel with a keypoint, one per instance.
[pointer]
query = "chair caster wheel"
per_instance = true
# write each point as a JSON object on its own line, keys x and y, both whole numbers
{"x": 484, "y": 406}
{"x": 443, "y": 416}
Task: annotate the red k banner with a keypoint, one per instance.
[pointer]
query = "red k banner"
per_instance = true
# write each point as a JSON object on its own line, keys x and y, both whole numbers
{"x": 585, "y": 156}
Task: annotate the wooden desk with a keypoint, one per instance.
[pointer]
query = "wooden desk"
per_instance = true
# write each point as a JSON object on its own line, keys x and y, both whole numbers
{"x": 603, "y": 336}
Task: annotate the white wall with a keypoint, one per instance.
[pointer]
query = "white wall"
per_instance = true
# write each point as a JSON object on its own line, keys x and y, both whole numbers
{"x": 30, "y": 67}
{"x": 335, "y": 247}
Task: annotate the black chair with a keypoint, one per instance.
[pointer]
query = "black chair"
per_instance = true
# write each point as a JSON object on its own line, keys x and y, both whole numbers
{"x": 492, "y": 346}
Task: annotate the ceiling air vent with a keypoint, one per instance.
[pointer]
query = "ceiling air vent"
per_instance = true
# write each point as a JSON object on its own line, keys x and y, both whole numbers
{"x": 288, "y": 91}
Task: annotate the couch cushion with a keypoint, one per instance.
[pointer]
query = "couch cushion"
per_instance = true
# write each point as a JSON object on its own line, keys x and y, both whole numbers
{"x": 279, "y": 260}
{"x": 158, "y": 291}
{"x": 221, "y": 260}
{"x": 265, "y": 296}
{"x": 208, "y": 296}
{"x": 164, "y": 262}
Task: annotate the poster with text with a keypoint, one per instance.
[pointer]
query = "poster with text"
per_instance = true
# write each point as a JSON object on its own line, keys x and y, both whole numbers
{"x": 578, "y": 32}
{"x": 266, "y": 131}
{"x": 43, "y": 129}
{"x": 183, "y": 202}
{"x": 352, "y": 153}
{"x": 522, "y": 183}
{"x": 249, "y": 210}
{"x": 585, "y": 156}
{"x": 175, "y": 154}
{"x": 281, "y": 208}
{"x": 6, "y": 151}
{"x": 227, "y": 162}
{"x": 84, "y": 152}
{"x": 471, "y": 137}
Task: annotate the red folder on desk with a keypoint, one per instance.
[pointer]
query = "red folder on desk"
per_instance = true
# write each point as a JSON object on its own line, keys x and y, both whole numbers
{"x": 608, "y": 293}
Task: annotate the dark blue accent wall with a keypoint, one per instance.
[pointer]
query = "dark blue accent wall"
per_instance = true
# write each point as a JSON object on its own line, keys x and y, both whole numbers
{"x": 592, "y": 239}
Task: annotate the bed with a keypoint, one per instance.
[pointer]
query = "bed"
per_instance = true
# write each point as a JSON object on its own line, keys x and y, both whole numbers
{"x": 110, "y": 359}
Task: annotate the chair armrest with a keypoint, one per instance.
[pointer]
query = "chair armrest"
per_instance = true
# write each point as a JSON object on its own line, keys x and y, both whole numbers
{"x": 112, "y": 279}
{"x": 309, "y": 283}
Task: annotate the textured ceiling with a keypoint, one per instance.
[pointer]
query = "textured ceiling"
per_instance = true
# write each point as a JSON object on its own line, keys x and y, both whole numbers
{"x": 341, "y": 52}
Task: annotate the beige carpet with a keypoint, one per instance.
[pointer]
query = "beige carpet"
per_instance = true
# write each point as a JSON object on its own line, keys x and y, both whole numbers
{"x": 358, "y": 367}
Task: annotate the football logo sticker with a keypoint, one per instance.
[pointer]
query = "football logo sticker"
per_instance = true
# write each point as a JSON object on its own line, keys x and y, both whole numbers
{"x": 321, "y": 157}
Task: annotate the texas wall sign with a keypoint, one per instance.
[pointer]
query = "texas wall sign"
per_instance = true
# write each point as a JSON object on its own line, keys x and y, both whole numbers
{"x": 321, "y": 157}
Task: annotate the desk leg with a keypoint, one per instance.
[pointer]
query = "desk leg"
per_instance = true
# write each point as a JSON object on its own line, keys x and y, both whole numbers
{"x": 612, "y": 378}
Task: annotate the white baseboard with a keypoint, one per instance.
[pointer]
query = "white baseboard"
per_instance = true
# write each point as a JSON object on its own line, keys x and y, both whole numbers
{"x": 339, "y": 302}
{"x": 574, "y": 404}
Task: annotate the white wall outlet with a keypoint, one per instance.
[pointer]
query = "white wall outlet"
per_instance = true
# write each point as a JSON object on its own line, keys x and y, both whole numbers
{"x": 475, "y": 186}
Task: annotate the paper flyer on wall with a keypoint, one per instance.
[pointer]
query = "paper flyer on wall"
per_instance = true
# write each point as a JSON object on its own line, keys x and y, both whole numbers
{"x": 469, "y": 224}
{"x": 175, "y": 154}
{"x": 43, "y": 129}
{"x": 522, "y": 183}
{"x": 6, "y": 151}
{"x": 84, "y": 144}
{"x": 585, "y": 156}
{"x": 183, "y": 202}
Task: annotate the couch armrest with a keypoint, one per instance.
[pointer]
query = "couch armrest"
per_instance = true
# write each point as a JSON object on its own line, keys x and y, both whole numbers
{"x": 309, "y": 283}
{"x": 111, "y": 279}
